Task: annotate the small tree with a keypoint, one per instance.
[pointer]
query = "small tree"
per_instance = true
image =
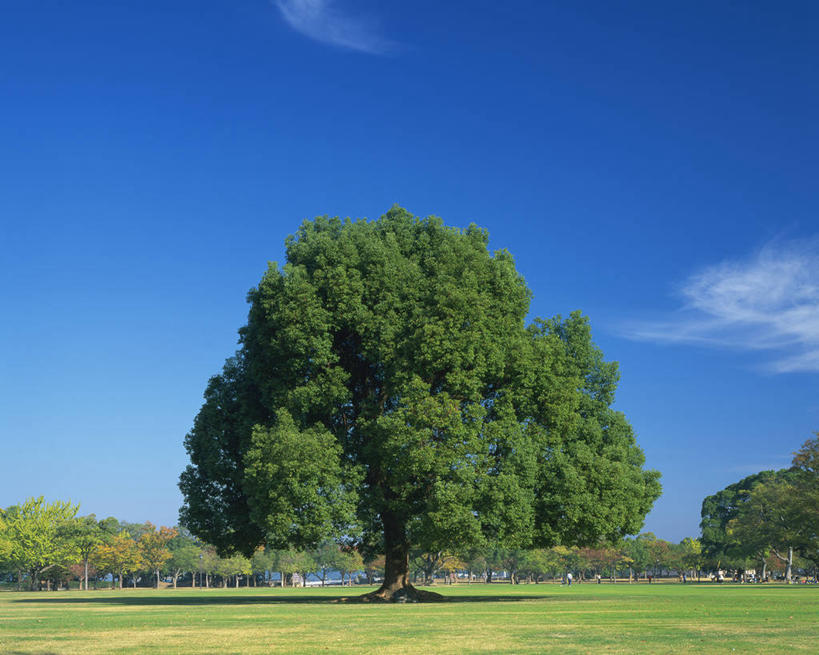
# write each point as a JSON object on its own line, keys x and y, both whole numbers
{"x": 349, "y": 561}
{"x": 260, "y": 564}
{"x": 185, "y": 557}
{"x": 327, "y": 557}
{"x": 85, "y": 535}
{"x": 373, "y": 567}
{"x": 153, "y": 547}
{"x": 120, "y": 555}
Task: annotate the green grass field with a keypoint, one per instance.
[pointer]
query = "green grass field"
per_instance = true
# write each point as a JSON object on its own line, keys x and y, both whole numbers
{"x": 546, "y": 618}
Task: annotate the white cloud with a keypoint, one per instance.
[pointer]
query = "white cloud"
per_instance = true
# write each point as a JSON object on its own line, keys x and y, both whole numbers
{"x": 323, "y": 21}
{"x": 767, "y": 302}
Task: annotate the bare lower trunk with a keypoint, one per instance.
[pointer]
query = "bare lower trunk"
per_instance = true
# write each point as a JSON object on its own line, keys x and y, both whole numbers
{"x": 396, "y": 586}
{"x": 85, "y": 576}
{"x": 790, "y": 565}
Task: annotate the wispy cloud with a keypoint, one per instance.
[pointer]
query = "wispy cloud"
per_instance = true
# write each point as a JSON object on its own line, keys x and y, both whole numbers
{"x": 769, "y": 301}
{"x": 323, "y": 21}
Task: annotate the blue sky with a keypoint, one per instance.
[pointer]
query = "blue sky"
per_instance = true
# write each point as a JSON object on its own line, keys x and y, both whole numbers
{"x": 652, "y": 164}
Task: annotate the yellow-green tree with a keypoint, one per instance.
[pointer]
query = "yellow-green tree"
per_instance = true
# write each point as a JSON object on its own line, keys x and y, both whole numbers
{"x": 153, "y": 548}
{"x": 33, "y": 535}
{"x": 120, "y": 556}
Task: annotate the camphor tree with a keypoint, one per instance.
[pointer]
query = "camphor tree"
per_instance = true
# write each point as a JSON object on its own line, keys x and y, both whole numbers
{"x": 389, "y": 393}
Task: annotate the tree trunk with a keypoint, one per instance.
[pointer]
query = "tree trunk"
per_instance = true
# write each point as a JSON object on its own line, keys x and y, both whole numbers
{"x": 85, "y": 576}
{"x": 790, "y": 565}
{"x": 157, "y": 579}
{"x": 396, "y": 586}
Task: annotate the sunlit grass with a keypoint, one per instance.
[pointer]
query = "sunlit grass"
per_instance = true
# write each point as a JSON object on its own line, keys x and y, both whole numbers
{"x": 590, "y": 618}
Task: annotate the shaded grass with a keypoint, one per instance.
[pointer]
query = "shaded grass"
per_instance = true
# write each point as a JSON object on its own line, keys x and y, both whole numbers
{"x": 477, "y": 619}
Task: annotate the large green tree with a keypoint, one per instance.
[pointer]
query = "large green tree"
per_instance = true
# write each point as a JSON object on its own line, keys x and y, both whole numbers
{"x": 389, "y": 392}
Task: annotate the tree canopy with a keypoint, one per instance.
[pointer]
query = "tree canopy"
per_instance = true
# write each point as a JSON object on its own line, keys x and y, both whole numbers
{"x": 768, "y": 513}
{"x": 389, "y": 392}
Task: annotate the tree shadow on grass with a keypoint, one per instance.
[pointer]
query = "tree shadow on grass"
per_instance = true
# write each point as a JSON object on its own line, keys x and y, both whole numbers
{"x": 206, "y": 600}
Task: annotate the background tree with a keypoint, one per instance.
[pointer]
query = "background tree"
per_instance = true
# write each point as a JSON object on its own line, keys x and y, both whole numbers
{"x": 208, "y": 564}
{"x": 121, "y": 556}
{"x": 5, "y": 541}
{"x": 289, "y": 562}
{"x": 349, "y": 562}
{"x": 33, "y": 532}
{"x": 153, "y": 548}
{"x": 185, "y": 555}
{"x": 387, "y": 384}
{"x": 233, "y": 567}
{"x": 639, "y": 551}
{"x": 691, "y": 555}
{"x": 84, "y": 534}
{"x": 721, "y": 547}
{"x": 327, "y": 557}
{"x": 373, "y": 567}
{"x": 261, "y": 564}
{"x": 771, "y": 517}
{"x": 806, "y": 479}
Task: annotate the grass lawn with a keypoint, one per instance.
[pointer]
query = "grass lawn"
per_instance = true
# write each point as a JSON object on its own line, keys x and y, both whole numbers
{"x": 546, "y": 618}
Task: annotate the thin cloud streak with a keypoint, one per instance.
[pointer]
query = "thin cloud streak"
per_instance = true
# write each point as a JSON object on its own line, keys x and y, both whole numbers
{"x": 767, "y": 302}
{"x": 322, "y": 21}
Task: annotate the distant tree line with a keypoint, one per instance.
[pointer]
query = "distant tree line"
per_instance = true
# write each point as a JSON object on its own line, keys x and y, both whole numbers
{"x": 48, "y": 546}
{"x": 770, "y": 518}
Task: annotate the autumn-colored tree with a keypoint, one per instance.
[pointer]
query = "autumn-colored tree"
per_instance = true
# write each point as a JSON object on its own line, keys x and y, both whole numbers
{"x": 153, "y": 547}
{"x": 120, "y": 556}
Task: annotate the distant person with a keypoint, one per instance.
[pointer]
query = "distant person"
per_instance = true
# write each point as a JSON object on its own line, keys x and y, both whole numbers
{"x": 569, "y": 579}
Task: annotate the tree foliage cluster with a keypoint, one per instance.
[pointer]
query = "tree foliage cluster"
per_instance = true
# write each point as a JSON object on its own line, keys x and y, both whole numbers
{"x": 46, "y": 545}
{"x": 42, "y": 542}
{"x": 770, "y": 516}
